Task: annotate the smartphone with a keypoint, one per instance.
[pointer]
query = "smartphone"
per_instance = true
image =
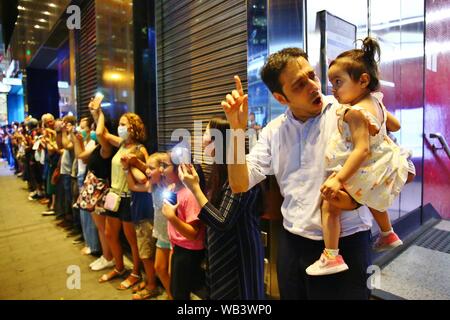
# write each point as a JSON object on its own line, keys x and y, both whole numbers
{"x": 98, "y": 98}
{"x": 170, "y": 196}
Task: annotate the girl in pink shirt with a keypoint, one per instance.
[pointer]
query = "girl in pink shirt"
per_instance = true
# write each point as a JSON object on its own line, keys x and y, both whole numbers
{"x": 186, "y": 234}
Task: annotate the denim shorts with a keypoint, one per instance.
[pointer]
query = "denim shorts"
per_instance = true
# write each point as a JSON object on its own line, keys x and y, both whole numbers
{"x": 163, "y": 245}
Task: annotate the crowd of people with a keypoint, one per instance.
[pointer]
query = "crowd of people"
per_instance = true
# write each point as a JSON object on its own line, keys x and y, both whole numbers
{"x": 330, "y": 156}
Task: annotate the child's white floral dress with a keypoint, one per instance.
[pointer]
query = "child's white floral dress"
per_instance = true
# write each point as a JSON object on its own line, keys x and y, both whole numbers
{"x": 382, "y": 176}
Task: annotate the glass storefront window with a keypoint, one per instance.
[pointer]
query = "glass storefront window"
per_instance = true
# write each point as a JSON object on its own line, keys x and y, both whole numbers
{"x": 400, "y": 32}
{"x": 351, "y": 11}
{"x": 272, "y": 26}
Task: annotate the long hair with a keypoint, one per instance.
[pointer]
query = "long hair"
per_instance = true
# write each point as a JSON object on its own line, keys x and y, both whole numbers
{"x": 219, "y": 173}
{"x": 137, "y": 129}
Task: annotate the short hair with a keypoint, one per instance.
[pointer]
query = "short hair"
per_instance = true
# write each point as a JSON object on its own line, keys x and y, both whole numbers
{"x": 89, "y": 121}
{"x": 272, "y": 69}
{"x": 70, "y": 119}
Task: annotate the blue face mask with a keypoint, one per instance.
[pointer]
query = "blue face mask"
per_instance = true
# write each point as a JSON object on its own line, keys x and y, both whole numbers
{"x": 84, "y": 134}
{"x": 94, "y": 136}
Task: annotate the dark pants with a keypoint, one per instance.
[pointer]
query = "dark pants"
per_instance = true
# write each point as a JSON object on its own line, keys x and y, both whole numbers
{"x": 185, "y": 272}
{"x": 296, "y": 253}
{"x": 67, "y": 196}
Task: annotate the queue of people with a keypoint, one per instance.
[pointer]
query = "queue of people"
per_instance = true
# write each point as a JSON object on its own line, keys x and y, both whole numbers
{"x": 330, "y": 156}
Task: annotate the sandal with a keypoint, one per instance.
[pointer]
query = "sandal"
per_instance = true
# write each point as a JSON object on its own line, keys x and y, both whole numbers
{"x": 129, "y": 282}
{"x": 146, "y": 294}
{"x": 111, "y": 275}
{"x": 139, "y": 287}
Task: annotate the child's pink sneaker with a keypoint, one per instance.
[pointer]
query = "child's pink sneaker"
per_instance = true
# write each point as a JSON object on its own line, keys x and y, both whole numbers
{"x": 387, "y": 242}
{"x": 326, "y": 265}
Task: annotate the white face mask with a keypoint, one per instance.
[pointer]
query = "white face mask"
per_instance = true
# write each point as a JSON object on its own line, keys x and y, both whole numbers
{"x": 123, "y": 132}
{"x": 210, "y": 149}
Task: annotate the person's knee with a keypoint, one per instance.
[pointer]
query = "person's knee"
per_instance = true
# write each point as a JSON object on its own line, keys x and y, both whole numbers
{"x": 161, "y": 268}
{"x": 111, "y": 234}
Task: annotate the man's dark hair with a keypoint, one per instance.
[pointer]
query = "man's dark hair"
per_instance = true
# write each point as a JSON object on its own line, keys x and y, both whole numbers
{"x": 270, "y": 73}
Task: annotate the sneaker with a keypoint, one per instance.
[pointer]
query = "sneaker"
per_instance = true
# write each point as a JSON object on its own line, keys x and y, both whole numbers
{"x": 96, "y": 261}
{"x": 326, "y": 265}
{"x": 50, "y": 212}
{"x": 86, "y": 251}
{"x": 37, "y": 196}
{"x": 103, "y": 264}
{"x": 387, "y": 242}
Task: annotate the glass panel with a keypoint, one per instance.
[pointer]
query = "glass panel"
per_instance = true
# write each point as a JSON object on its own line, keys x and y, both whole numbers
{"x": 352, "y": 11}
{"x": 272, "y": 26}
{"x": 400, "y": 31}
{"x": 115, "y": 54}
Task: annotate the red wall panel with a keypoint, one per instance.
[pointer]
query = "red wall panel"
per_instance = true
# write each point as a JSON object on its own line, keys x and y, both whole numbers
{"x": 437, "y": 105}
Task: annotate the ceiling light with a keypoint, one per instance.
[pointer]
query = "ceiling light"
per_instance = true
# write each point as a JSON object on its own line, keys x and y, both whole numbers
{"x": 52, "y": 5}
{"x": 46, "y": 13}
{"x": 36, "y": 26}
{"x": 21, "y": 8}
{"x": 42, "y": 20}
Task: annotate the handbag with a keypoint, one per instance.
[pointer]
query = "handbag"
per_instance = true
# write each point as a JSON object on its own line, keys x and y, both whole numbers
{"x": 92, "y": 193}
{"x": 112, "y": 200}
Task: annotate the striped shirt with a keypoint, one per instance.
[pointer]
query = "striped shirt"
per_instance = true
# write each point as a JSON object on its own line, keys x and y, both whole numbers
{"x": 234, "y": 248}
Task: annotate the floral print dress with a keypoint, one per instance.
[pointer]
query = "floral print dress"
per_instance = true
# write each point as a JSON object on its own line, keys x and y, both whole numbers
{"x": 380, "y": 178}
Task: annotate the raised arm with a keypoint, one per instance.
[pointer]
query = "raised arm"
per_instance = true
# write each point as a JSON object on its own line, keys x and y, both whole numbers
{"x": 102, "y": 132}
{"x": 222, "y": 218}
{"x": 105, "y": 146}
{"x": 236, "y": 110}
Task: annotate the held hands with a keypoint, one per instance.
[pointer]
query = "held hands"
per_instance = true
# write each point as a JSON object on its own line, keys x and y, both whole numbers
{"x": 124, "y": 160}
{"x": 189, "y": 177}
{"x": 236, "y": 106}
{"x": 331, "y": 187}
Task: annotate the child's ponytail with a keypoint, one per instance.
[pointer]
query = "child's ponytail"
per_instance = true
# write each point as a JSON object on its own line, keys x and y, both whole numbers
{"x": 371, "y": 48}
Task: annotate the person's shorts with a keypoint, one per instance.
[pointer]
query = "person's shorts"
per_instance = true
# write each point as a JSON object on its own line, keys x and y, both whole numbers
{"x": 124, "y": 211}
{"x": 163, "y": 244}
{"x": 145, "y": 241}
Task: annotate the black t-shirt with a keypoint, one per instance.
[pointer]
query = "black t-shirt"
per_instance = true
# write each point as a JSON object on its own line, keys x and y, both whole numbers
{"x": 99, "y": 166}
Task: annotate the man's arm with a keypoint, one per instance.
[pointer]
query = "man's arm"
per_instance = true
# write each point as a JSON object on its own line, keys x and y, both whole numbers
{"x": 236, "y": 111}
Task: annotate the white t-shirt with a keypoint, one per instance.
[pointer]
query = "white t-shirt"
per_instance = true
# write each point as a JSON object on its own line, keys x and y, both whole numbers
{"x": 81, "y": 165}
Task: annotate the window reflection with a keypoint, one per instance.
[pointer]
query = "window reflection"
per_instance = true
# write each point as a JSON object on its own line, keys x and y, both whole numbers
{"x": 272, "y": 26}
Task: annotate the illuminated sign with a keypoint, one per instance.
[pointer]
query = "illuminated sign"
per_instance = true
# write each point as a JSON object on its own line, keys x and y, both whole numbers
{"x": 63, "y": 84}
{"x": 12, "y": 81}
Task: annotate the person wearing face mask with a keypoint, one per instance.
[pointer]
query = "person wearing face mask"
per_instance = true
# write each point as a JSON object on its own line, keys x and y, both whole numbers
{"x": 84, "y": 146}
{"x": 131, "y": 135}
{"x": 232, "y": 225}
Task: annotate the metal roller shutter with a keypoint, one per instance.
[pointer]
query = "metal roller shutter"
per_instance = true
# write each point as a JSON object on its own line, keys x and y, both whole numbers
{"x": 86, "y": 58}
{"x": 201, "y": 45}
